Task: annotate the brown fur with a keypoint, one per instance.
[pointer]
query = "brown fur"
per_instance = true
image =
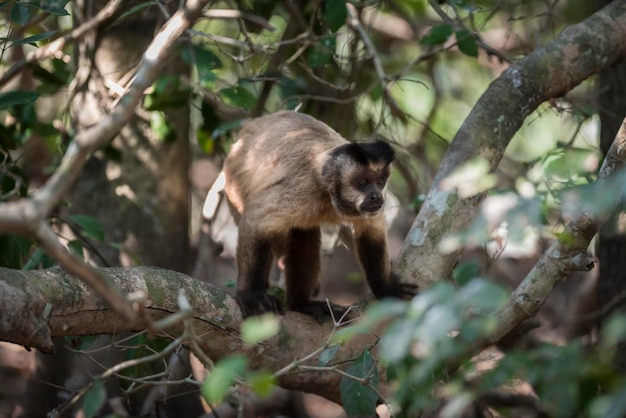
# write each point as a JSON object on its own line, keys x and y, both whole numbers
{"x": 281, "y": 188}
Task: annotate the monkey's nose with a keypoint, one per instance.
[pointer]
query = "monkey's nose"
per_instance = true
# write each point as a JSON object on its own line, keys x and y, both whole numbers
{"x": 373, "y": 203}
{"x": 376, "y": 198}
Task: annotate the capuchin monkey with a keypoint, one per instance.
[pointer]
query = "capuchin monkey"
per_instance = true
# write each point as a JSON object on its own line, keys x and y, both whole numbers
{"x": 288, "y": 173}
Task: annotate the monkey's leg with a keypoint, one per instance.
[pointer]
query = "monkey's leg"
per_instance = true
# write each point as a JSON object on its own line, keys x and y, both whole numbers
{"x": 302, "y": 269}
{"x": 302, "y": 266}
{"x": 254, "y": 258}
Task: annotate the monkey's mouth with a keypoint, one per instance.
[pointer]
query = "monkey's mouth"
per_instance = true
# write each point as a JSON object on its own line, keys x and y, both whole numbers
{"x": 371, "y": 207}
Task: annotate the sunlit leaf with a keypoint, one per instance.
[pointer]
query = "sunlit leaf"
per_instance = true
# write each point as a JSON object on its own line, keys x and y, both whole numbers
{"x": 223, "y": 376}
{"x": 262, "y": 383}
{"x": 358, "y": 398}
{"x": 259, "y": 328}
{"x": 162, "y": 127}
{"x": 471, "y": 178}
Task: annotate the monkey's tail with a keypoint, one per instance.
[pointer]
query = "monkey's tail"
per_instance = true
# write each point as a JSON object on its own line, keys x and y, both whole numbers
{"x": 213, "y": 197}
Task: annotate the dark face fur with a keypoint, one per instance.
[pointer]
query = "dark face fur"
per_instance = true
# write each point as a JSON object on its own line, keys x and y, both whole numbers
{"x": 357, "y": 175}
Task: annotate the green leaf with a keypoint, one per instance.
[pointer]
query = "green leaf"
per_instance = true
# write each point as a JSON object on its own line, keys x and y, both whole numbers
{"x": 76, "y": 247}
{"x": 205, "y": 62}
{"x": 205, "y": 141}
{"x": 328, "y": 354}
{"x": 239, "y": 97}
{"x": 335, "y": 13}
{"x": 465, "y": 272}
{"x": 20, "y": 14}
{"x": 226, "y": 127}
{"x": 89, "y": 225}
{"x": 168, "y": 92}
{"x": 162, "y": 127}
{"x": 134, "y": 10}
{"x": 38, "y": 258}
{"x": 223, "y": 376}
{"x": 56, "y": 8}
{"x": 47, "y": 77}
{"x": 466, "y": 43}
{"x": 359, "y": 399}
{"x": 94, "y": 399}
{"x": 322, "y": 52}
{"x": 437, "y": 35}
{"x": 14, "y": 250}
{"x": 17, "y": 97}
{"x": 34, "y": 38}
{"x": 259, "y": 328}
{"x": 262, "y": 383}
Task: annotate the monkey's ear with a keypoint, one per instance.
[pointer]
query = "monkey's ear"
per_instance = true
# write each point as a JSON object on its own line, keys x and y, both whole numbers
{"x": 367, "y": 152}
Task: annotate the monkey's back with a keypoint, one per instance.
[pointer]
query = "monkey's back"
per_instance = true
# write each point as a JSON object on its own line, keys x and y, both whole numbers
{"x": 272, "y": 171}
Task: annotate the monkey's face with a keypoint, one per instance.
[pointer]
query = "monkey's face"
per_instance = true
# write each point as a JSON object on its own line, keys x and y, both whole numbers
{"x": 356, "y": 176}
{"x": 361, "y": 193}
{"x": 370, "y": 184}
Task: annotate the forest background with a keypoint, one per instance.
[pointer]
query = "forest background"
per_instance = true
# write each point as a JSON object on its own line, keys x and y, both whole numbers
{"x": 508, "y": 183}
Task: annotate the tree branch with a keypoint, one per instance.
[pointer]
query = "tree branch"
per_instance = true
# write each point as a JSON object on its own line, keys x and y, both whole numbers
{"x": 41, "y": 304}
{"x": 578, "y": 52}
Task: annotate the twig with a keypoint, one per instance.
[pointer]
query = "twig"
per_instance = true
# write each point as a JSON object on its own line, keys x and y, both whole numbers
{"x": 355, "y": 24}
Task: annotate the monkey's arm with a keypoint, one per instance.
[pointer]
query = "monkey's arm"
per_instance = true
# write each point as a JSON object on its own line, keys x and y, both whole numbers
{"x": 370, "y": 239}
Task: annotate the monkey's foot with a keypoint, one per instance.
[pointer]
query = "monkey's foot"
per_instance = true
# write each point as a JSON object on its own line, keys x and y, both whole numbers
{"x": 322, "y": 311}
{"x": 258, "y": 302}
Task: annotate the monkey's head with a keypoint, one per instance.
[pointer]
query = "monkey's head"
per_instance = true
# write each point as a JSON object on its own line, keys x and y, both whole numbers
{"x": 356, "y": 176}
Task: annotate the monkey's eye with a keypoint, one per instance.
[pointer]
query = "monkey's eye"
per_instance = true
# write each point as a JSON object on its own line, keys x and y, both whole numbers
{"x": 380, "y": 181}
{"x": 363, "y": 182}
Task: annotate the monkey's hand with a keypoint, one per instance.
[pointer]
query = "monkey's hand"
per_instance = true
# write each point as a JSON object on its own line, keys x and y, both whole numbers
{"x": 396, "y": 289}
{"x": 253, "y": 302}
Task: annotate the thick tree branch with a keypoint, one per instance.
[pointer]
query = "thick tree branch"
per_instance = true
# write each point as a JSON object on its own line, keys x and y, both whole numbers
{"x": 41, "y": 304}
{"x": 578, "y": 52}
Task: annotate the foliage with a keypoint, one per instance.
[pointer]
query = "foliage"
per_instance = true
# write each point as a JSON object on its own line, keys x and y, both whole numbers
{"x": 432, "y": 331}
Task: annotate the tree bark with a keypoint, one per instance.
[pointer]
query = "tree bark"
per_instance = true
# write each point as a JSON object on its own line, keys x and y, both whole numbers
{"x": 42, "y": 304}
